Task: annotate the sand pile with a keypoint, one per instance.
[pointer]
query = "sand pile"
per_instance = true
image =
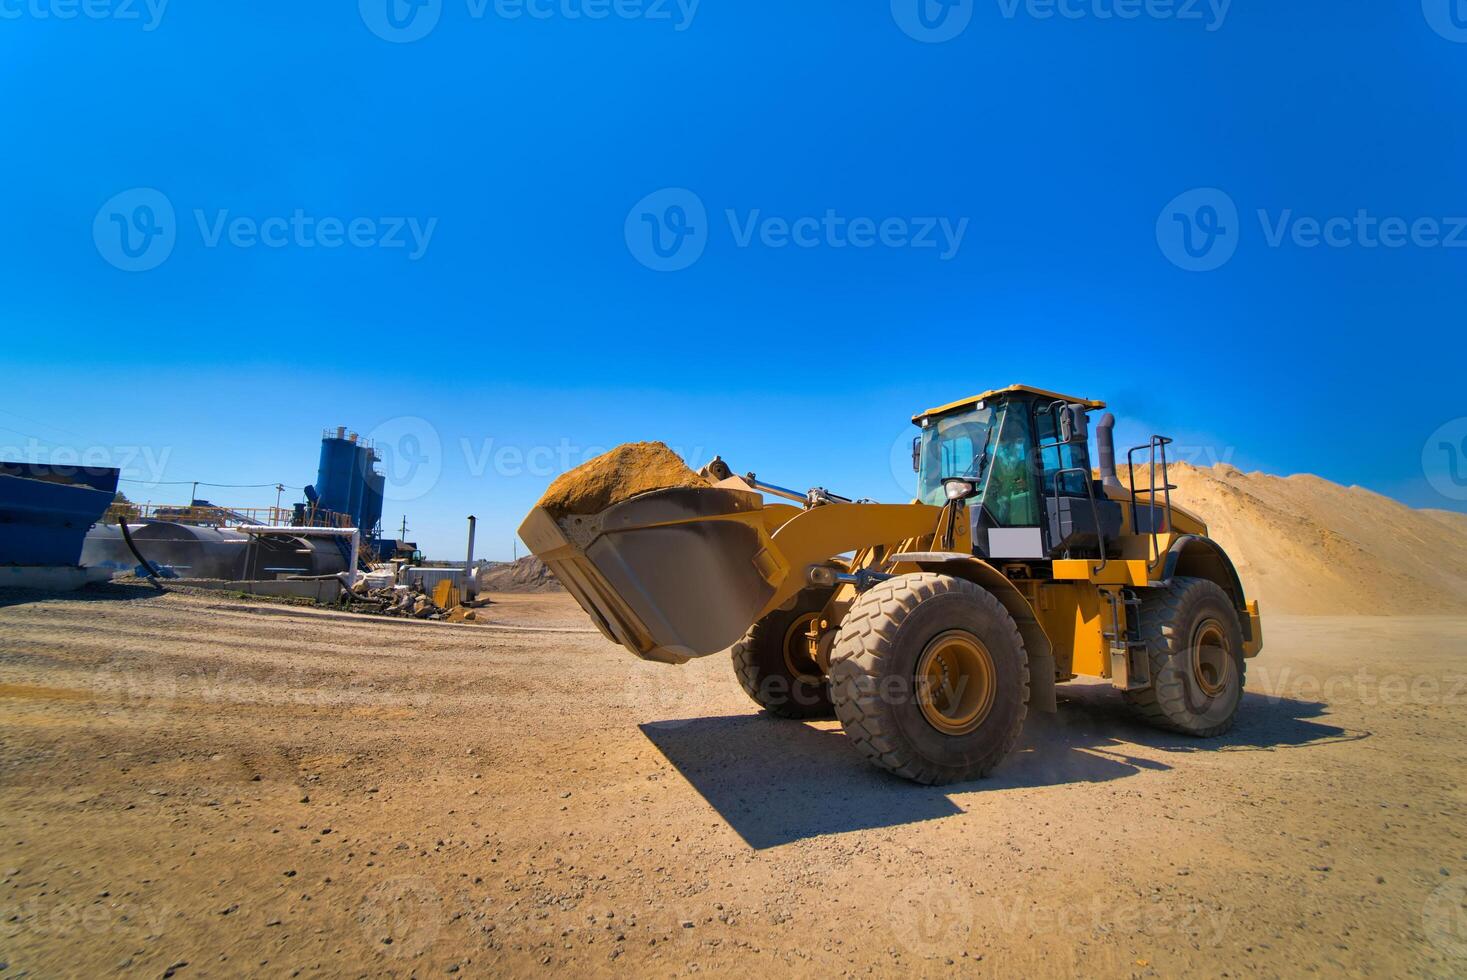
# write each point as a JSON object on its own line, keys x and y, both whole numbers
{"x": 1308, "y": 546}
{"x": 629, "y": 469}
{"x": 529, "y": 574}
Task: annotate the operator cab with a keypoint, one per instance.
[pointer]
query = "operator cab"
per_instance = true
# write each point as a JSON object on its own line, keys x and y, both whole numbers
{"x": 1021, "y": 458}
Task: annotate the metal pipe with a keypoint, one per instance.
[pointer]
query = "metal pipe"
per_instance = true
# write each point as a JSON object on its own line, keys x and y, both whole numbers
{"x": 469, "y": 589}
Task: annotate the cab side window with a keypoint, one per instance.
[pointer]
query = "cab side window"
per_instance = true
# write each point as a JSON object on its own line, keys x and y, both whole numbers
{"x": 1010, "y": 496}
{"x": 1055, "y": 458}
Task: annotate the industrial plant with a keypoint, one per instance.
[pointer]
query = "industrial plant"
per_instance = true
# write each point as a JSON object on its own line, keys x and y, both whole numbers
{"x": 69, "y": 526}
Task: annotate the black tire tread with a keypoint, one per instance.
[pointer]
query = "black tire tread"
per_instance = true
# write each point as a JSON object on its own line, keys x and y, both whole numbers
{"x": 746, "y": 669}
{"x": 855, "y": 668}
{"x": 1164, "y": 702}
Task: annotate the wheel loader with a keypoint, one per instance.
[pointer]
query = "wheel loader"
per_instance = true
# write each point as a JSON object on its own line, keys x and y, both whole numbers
{"x": 930, "y": 629}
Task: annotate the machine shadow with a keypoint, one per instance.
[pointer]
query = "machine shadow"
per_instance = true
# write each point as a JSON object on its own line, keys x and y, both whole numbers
{"x": 96, "y": 592}
{"x": 777, "y": 781}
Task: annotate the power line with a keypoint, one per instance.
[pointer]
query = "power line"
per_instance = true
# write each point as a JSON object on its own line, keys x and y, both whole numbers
{"x": 201, "y": 483}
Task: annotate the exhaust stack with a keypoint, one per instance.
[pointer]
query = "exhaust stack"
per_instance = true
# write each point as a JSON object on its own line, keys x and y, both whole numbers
{"x": 1105, "y": 449}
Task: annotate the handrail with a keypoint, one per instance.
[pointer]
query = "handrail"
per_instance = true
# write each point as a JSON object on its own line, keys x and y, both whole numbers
{"x": 1157, "y": 449}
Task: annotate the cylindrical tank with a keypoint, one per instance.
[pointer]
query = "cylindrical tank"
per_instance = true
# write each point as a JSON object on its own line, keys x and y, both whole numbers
{"x": 337, "y": 474}
{"x": 361, "y": 463}
{"x": 376, "y": 487}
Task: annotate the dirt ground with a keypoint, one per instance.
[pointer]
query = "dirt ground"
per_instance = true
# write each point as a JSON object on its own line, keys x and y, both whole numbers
{"x": 193, "y": 785}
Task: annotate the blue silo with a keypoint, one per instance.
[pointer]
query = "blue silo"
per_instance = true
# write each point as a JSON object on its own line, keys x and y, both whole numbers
{"x": 337, "y": 474}
{"x": 360, "y": 465}
{"x": 375, "y": 487}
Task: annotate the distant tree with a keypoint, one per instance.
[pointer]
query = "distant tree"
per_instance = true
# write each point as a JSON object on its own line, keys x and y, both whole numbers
{"x": 121, "y": 510}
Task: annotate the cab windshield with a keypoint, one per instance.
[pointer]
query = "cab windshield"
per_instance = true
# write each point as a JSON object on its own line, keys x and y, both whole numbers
{"x": 954, "y": 445}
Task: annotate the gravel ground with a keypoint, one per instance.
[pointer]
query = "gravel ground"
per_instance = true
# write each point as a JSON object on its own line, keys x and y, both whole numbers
{"x": 195, "y": 785}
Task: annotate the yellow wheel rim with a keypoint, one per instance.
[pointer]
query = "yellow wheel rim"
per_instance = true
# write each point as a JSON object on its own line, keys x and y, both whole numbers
{"x": 955, "y": 682}
{"x": 1210, "y": 657}
{"x": 797, "y": 658}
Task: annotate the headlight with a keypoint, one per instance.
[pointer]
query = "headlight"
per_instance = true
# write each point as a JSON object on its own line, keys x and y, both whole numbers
{"x": 958, "y": 488}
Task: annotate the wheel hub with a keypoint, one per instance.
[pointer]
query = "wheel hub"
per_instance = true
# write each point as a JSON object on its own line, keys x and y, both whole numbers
{"x": 955, "y": 682}
{"x": 1210, "y": 657}
{"x": 798, "y": 658}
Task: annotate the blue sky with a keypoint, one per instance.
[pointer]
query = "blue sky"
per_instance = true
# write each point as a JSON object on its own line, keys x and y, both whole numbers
{"x": 1236, "y": 222}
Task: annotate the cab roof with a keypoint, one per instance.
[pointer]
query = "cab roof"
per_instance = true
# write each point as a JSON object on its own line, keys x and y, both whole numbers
{"x": 971, "y": 400}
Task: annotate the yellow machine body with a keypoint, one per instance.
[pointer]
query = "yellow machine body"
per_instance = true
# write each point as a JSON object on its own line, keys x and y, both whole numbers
{"x": 682, "y": 573}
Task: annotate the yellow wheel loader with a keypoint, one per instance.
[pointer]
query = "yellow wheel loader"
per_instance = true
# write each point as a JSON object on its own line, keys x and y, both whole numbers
{"x": 931, "y": 628}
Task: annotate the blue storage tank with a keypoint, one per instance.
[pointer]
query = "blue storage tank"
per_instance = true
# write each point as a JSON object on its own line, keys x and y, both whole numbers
{"x": 375, "y": 488}
{"x": 338, "y": 473}
{"x": 360, "y": 465}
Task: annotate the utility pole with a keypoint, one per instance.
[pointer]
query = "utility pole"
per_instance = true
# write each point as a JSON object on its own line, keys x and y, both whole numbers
{"x": 402, "y": 534}
{"x": 195, "y": 495}
{"x": 279, "y": 489}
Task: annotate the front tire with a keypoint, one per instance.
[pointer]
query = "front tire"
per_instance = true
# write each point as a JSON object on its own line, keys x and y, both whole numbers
{"x": 1194, "y": 641}
{"x": 774, "y": 667}
{"x": 930, "y": 678}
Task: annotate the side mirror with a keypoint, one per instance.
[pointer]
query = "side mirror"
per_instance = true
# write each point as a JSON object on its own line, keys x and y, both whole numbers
{"x": 916, "y": 454}
{"x": 1066, "y": 424}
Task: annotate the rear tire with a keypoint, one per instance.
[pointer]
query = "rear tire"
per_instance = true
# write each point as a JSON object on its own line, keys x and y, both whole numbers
{"x": 774, "y": 671}
{"x": 1194, "y": 641}
{"x": 929, "y": 678}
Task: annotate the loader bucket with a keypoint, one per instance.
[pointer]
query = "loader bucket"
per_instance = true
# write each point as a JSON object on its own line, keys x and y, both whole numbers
{"x": 671, "y": 574}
